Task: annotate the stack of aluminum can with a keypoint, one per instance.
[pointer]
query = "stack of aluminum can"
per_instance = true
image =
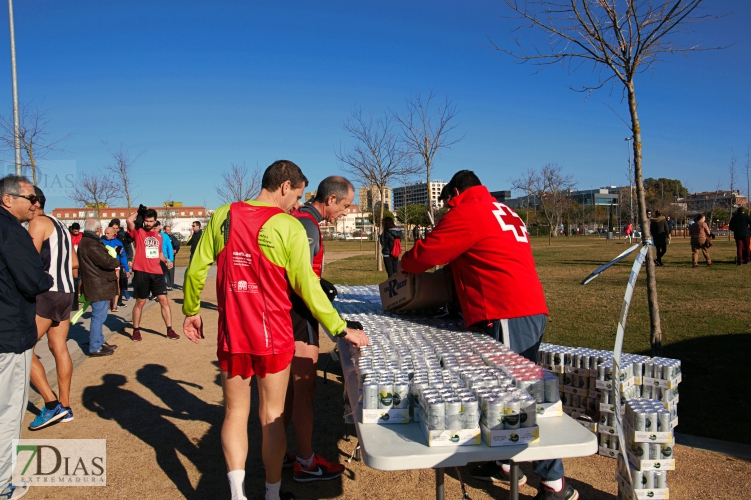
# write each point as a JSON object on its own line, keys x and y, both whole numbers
{"x": 648, "y": 481}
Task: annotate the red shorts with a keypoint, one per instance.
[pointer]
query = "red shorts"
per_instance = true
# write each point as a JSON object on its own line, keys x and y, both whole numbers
{"x": 247, "y": 365}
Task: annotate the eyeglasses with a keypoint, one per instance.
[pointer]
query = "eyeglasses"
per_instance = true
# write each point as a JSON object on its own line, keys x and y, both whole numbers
{"x": 32, "y": 198}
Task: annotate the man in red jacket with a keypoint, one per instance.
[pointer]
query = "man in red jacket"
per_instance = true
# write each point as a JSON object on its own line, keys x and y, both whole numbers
{"x": 489, "y": 250}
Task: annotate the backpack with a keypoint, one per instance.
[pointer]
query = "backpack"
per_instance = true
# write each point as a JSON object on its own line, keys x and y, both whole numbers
{"x": 396, "y": 251}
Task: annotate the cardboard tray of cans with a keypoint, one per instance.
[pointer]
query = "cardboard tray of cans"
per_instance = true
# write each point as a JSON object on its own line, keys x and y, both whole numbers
{"x": 385, "y": 416}
{"x": 459, "y": 437}
{"x": 661, "y": 383}
{"x": 645, "y": 465}
{"x": 523, "y": 435}
{"x": 641, "y": 493}
{"x": 608, "y": 452}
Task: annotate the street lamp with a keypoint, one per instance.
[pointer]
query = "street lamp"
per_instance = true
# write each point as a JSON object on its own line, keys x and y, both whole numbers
{"x": 14, "y": 76}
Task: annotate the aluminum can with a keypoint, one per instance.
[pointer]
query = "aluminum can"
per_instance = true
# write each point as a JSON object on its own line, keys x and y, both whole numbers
{"x": 401, "y": 395}
{"x": 575, "y": 401}
{"x": 654, "y": 451}
{"x": 638, "y": 368}
{"x": 641, "y": 450}
{"x": 495, "y": 414}
{"x": 370, "y": 396}
{"x": 585, "y": 361}
{"x": 470, "y": 413}
{"x": 661, "y": 479}
{"x": 663, "y": 420}
{"x": 649, "y": 479}
{"x": 512, "y": 411}
{"x": 604, "y": 440}
{"x": 614, "y": 442}
{"x": 537, "y": 390}
{"x": 650, "y": 423}
{"x": 436, "y": 414}
{"x": 604, "y": 418}
{"x": 666, "y": 451}
{"x": 605, "y": 397}
{"x": 551, "y": 389}
{"x": 637, "y": 478}
{"x": 610, "y": 420}
{"x": 385, "y": 395}
{"x": 528, "y": 413}
{"x": 639, "y": 420}
{"x": 649, "y": 369}
{"x": 453, "y": 414}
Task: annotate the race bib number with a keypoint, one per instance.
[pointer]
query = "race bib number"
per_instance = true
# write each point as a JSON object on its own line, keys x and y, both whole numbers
{"x": 152, "y": 253}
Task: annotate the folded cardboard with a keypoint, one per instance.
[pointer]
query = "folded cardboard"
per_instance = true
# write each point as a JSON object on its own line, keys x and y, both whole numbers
{"x": 390, "y": 416}
{"x": 415, "y": 291}
{"x": 522, "y": 435}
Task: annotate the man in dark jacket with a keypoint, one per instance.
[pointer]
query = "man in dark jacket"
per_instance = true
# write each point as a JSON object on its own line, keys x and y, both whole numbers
{"x": 22, "y": 278}
{"x": 97, "y": 268}
{"x": 740, "y": 224}
{"x": 658, "y": 226}
{"x": 195, "y": 236}
{"x": 175, "y": 248}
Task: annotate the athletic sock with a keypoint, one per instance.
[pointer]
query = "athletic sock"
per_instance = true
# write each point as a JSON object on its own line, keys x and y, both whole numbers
{"x": 237, "y": 484}
{"x": 272, "y": 491}
{"x": 52, "y": 404}
{"x": 307, "y": 463}
{"x": 506, "y": 467}
{"x": 556, "y": 485}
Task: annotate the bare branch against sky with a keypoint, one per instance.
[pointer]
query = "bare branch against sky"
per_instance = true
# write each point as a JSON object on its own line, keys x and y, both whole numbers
{"x": 239, "y": 184}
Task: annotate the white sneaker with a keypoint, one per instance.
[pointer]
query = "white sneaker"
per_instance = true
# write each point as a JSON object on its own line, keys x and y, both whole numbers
{"x": 12, "y": 492}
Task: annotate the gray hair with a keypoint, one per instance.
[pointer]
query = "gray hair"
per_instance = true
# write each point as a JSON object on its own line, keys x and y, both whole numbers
{"x": 11, "y": 184}
{"x": 92, "y": 225}
{"x": 336, "y": 185}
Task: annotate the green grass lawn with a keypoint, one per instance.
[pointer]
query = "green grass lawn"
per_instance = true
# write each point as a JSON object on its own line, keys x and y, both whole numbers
{"x": 705, "y": 317}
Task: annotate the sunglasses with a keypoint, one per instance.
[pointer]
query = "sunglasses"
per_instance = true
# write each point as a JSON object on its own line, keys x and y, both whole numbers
{"x": 32, "y": 198}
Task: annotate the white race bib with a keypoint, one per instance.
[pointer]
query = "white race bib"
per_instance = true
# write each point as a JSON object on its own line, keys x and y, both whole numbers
{"x": 152, "y": 253}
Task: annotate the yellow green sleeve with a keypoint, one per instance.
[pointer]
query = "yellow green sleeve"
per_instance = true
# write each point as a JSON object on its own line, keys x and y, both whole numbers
{"x": 284, "y": 242}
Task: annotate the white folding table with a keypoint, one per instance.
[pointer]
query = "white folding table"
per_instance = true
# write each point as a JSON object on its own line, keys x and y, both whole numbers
{"x": 404, "y": 447}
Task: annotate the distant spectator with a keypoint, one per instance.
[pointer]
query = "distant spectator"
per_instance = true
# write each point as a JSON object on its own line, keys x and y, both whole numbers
{"x": 168, "y": 252}
{"x": 740, "y": 224}
{"x": 110, "y": 240}
{"x": 416, "y": 232}
{"x": 388, "y": 238}
{"x": 701, "y": 239}
{"x": 195, "y": 236}
{"x": 175, "y": 249}
{"x": 124, "y": 238}
{"x": 660, "y": 235}
{"x": 75, "y": 234}
{"x": 99, "y": 283}
{"x": 629, "y": 231}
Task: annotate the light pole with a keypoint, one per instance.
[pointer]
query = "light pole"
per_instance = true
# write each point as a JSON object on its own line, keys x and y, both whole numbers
{"x": 630, "y": 181}
{"x": 14, "y": 76}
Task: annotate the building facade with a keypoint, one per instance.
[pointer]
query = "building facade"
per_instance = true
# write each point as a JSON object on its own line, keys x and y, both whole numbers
{"x": 370, "y": 196}
{"x": 419, "y": 194}
{"x": 707, "y": 200}
{"x": 179, "y": 217}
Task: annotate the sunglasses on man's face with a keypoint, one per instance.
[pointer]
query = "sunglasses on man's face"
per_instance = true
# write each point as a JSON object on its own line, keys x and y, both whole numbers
{"x": 31, "y": 197}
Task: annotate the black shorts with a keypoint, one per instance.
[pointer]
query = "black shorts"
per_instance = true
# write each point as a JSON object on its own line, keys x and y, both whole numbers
{"x": 304, "y": 325}
{"x": 145, "y": 284}
{"x": 54, "y": 305}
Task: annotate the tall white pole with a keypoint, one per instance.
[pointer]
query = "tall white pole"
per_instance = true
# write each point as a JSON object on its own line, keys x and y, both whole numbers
{"x": 630, "y": 181}
{"x": 14, "y": 76}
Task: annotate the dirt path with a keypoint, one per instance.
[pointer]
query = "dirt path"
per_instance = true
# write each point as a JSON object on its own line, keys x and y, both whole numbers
{"x": 158, "y": 404}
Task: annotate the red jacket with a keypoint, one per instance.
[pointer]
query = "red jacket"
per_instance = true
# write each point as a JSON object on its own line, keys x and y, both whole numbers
{"x": 488, "y": 248}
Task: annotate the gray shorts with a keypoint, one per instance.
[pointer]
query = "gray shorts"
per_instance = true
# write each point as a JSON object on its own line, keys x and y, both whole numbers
{"x": 55, "y": 305}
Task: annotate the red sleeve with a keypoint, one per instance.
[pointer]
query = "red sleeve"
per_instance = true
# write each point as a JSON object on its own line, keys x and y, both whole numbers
{"x": 450, "y": 238}
{"x": 133, "y": 234}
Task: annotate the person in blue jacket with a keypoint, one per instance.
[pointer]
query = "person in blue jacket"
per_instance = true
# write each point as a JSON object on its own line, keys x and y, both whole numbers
{"x": 168, "y": 252}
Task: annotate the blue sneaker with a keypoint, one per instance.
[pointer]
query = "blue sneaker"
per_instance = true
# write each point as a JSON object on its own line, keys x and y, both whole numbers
{"x": 48, "y": 417}
{"x": 12, "y": 492}
{"x": 69, "y": 416}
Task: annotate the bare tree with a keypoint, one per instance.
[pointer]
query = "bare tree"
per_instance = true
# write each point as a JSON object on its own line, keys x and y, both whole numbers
{"x": 94, "y": 191}
{"x": 122, "y": 168}
{"x": 550, "y": 187}
{"x": 239, "y": 185}
{"x": 33, "y": 136}
{"x": 376, "y": 157}
{"x": 425, "y": 132}
{"x": 620, "y": 40}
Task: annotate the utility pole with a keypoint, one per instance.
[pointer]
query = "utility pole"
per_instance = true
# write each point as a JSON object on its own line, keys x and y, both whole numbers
{"x": 14, "y": 76}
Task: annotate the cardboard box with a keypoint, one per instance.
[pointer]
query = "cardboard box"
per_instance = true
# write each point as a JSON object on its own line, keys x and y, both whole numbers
{"x": 642, "y": 494}
{"x": 463, "y": 437}
{"x": 415, "y": 291}
{"x": 582, "y": 372}
{"x": 664, "y": 384}
{"x": 391, "y": 416}
{"x": 548, "y": 410}
{"x": 607, "y": 452}
{"x": 650, "y": 464}
{"x": 602, "y": 384}
{"x": 523, "y": 435}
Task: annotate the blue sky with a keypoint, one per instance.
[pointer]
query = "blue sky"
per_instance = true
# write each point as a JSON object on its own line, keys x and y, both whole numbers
{"x": 197, "y": 85}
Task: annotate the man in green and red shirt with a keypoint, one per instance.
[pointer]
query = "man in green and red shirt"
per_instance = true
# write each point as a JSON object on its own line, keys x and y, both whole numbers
{"x": 262, "y": 257}
{"x": 148, "y": 277}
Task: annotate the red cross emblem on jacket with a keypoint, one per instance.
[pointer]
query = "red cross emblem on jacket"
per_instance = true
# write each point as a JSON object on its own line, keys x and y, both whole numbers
{"x": 509, "y": 221}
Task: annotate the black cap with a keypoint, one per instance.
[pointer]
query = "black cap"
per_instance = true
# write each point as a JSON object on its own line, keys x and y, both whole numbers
{"x": 75, "y": 225}
{"x": 114, "y": 221}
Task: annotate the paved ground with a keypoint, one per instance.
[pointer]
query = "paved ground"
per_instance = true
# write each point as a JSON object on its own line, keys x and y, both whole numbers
{"x": 159, "y": 405}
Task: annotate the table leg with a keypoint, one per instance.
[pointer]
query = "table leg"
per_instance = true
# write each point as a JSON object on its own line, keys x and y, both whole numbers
{"x": 514, "y": 483}
{"x": 439, "y": 493}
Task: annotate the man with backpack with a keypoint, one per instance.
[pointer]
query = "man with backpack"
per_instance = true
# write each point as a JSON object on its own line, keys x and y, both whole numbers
{"x": 391, "y": 245}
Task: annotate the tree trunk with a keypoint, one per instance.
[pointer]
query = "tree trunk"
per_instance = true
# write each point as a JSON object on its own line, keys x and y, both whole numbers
{"x": 379, "y": 260}
{"x": 655, "y": 333}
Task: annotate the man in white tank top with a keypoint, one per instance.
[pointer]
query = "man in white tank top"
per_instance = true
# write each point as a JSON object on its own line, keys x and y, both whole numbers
{"x": 52, "y": 241}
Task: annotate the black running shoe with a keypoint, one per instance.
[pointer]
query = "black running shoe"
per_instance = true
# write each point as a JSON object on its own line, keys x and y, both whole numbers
{"x": 566, "y": 493}
{"x": 491, "y": 472}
